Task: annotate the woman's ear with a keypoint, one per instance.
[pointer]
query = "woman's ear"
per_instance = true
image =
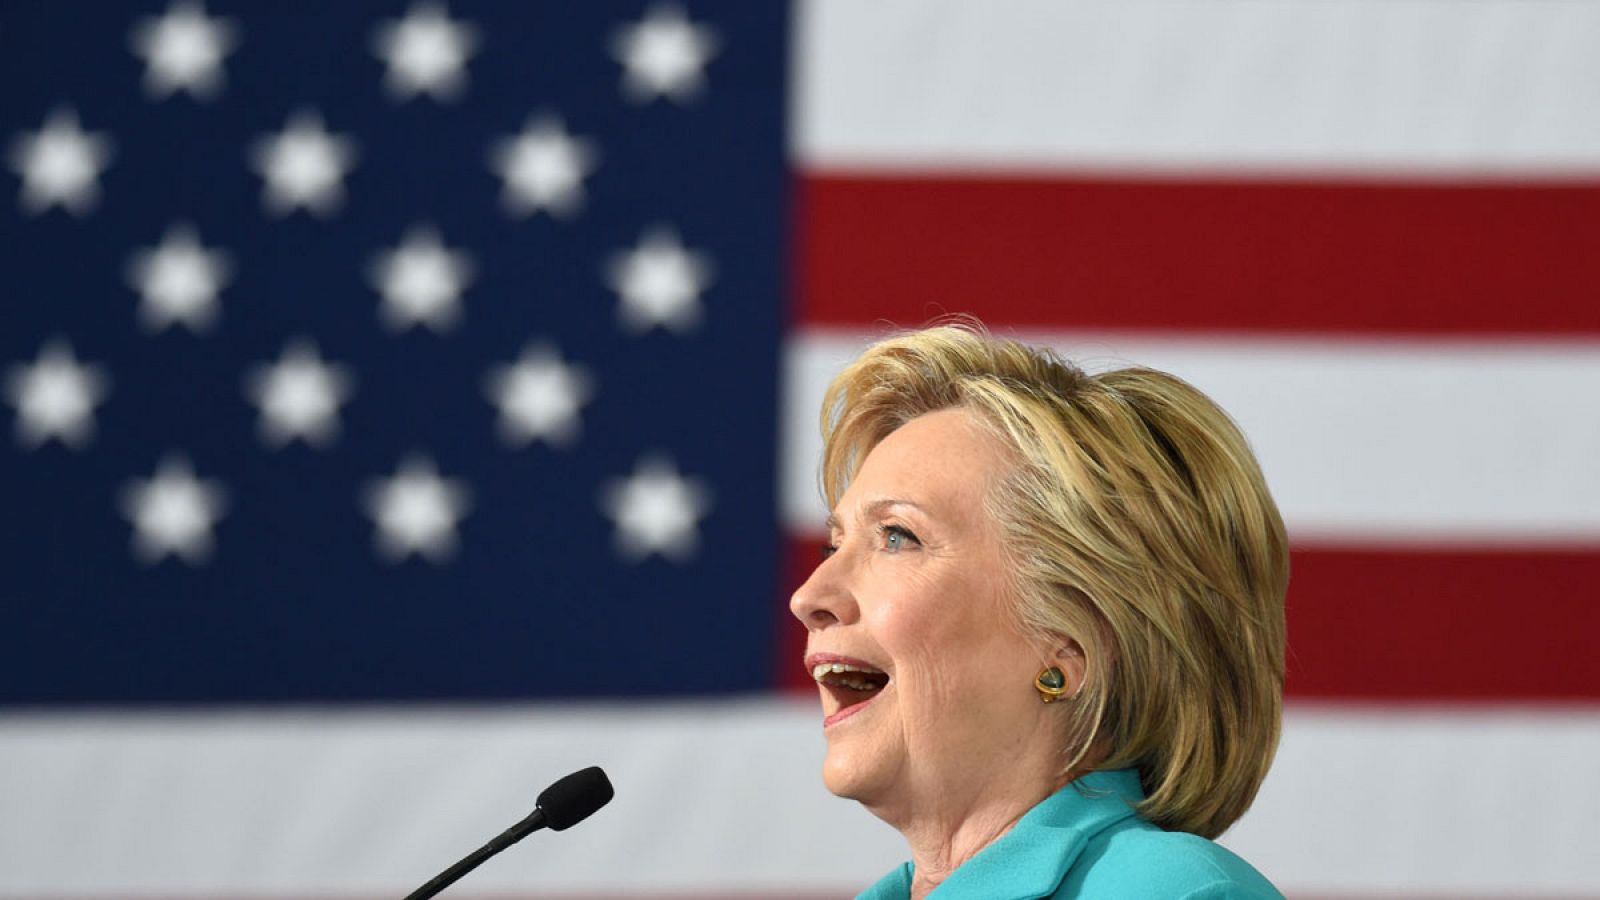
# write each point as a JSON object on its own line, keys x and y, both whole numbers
{"x": 1067, "y": 655}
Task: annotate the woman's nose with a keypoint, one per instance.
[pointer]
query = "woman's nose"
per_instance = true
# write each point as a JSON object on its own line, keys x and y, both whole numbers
{"x": 824, "y": 599}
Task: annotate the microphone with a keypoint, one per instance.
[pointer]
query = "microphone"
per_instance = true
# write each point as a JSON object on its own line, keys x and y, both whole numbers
{"x": 561, "y": 806}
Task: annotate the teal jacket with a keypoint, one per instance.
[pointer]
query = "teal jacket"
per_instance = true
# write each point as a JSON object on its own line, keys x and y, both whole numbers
{"x": 1085, "y": 841}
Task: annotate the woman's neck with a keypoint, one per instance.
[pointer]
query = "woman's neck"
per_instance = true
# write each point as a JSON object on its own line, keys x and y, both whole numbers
{"x": 951, "y": 826}
{"x": 940, "y": 851}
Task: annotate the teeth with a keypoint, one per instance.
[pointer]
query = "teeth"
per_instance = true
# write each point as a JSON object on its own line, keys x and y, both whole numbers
{"x": 821, "y": 669}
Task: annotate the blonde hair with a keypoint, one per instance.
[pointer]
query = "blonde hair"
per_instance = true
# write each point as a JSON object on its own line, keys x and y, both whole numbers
{"x": 1137, "y": 523}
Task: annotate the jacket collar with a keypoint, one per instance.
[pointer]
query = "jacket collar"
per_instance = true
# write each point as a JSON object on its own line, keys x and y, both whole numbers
{"x": 1032, "y": 859}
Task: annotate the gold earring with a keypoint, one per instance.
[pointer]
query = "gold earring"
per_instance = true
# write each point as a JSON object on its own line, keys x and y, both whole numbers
{"x": 1050, "y": 684}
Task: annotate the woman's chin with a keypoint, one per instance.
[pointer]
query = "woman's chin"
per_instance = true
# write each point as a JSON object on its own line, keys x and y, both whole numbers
{"x": 852, "y": 772}
{"x": 843, "y": 779}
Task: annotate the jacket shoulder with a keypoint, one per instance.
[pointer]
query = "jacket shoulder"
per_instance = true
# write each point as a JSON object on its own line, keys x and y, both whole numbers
{"x": 1140, "y": 860}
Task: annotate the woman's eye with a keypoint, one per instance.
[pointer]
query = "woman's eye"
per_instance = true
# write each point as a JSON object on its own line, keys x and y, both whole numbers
{"x": 896, "y": 537}
{"x": 829, "y": 550}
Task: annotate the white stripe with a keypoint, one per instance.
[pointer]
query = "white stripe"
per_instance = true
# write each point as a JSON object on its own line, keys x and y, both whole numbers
{"x": 1363, "y": 441}
{"x": 717, "y": 797}
{"x": 712, "y": 795}
{"x": 1444, "y": 803}
{"x": 1358, "y": 85}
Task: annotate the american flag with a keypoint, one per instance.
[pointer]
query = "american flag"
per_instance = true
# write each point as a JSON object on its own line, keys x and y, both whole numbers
{"x": 351, "y": 349}
{"x": 410, "y": 402}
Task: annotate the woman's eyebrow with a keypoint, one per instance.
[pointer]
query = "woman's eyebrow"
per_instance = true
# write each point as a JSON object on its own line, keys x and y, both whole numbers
{"x": 874, "y": 508}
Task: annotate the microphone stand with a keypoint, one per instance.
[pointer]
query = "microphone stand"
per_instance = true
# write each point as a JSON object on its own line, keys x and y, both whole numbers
{"x": 517, "y": 832}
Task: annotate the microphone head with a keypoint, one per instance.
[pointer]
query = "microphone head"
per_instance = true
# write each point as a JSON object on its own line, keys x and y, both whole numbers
{"x": 574, "y": 798}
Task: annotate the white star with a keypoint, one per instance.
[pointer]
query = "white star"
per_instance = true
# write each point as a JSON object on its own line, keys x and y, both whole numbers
{"x": 299, "y": 396}
{"x": 304, "y": 166}
{"x": 426, "y": 53}
{"x": 656, "y": 511}
{"x": 60, "y": 165}
{"x": 416, "y": 511}
{"x": 178, "y": 281}
{"x": 173, "y": 513}
{"x": 663, "y": 55}
{"x": 660, "y": 283}
{"x": 183, "y": 51}
{"x": 55, "y": 397}
{"x": 539, "y": 397}
{"x": 421, "y": 281}
{"x": 543, "y": 168}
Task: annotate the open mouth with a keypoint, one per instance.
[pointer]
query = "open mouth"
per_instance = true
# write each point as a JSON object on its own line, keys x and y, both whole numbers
{"x": 849, "y": 684}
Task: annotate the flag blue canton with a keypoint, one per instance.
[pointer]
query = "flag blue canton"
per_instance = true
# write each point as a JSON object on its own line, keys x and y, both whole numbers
{"x": 374, "y": 351}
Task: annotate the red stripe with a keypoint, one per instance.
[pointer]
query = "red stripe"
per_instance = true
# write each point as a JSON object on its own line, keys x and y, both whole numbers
{"x": 1502, "y": 625}
{"x": 1250, "y": 256}
{"x": 1447, "y": 625}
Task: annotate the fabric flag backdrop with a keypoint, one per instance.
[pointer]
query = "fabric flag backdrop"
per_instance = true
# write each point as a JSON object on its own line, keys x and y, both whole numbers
{"x": 410, "y": 403}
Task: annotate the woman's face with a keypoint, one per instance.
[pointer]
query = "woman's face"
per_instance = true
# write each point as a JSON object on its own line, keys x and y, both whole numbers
{"x": 915, "y": 589}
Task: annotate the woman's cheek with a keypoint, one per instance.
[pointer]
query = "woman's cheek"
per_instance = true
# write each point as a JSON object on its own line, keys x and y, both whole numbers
{"x": 934, "y": 673}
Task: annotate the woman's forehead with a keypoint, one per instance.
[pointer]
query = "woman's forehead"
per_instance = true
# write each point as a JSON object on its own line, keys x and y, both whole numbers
{"x": 940, "y": 463}
{"x": 949, "y": 441}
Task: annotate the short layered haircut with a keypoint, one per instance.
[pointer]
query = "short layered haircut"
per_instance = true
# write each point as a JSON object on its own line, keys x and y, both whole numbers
{"x": 1136, "y": 523}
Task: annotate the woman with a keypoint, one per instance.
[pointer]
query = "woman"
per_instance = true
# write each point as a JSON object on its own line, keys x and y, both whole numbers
{"x": 1048, "y": 625}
